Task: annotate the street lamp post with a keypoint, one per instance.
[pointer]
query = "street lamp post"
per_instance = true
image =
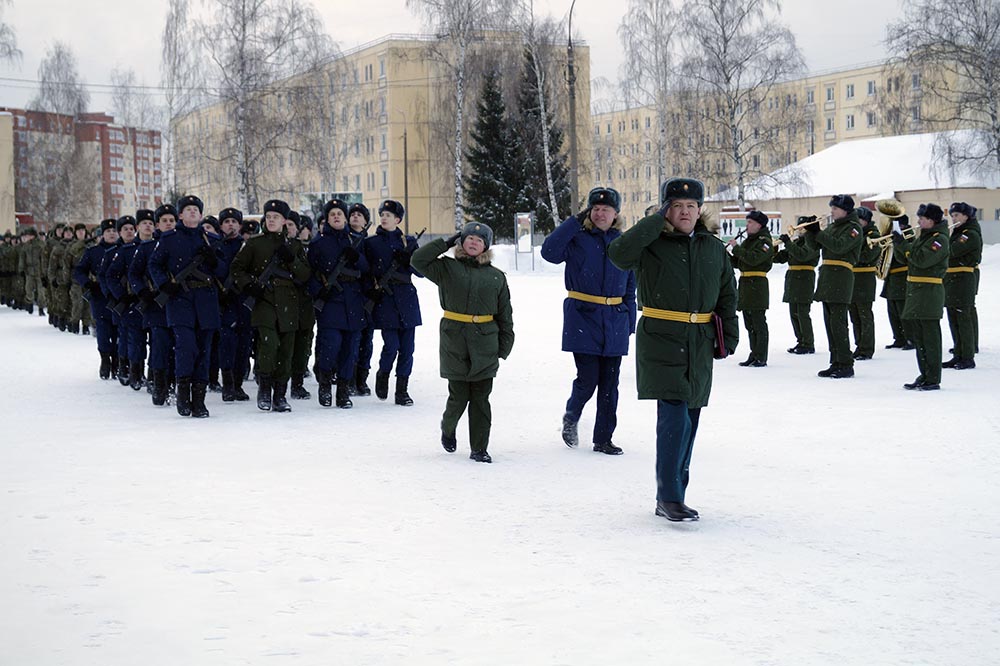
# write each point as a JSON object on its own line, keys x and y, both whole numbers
{"x": 406, "y": 175}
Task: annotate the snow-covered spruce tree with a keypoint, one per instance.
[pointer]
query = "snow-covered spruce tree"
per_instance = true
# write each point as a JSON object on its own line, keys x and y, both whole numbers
{"x": 494, "y": 188}
{"x": 530, "y": 128}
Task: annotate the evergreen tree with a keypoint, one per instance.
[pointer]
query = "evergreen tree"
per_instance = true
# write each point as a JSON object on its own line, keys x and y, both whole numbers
{"x": 495, "y": 185}
{"x": 530, "y": 127}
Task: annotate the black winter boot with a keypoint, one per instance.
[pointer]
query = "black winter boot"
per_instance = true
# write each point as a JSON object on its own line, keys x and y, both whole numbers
{"x": 159, "y": 387}
{"x": 74, "y": 328}
{"x": 569, "y": 432}
{"x": 114, "y": 366}
{"x": 299, "y": 391}
{"x": 85, "y": 330}
{"x": 184, "y": 396}
{"x": 135, "y": 375}
{"x": 608, "y": 448}
{"x": 278, "y": 401}
{"x": 381, "y": 385}
{"x": 41, "y": 311}
{"x": 105, "y": 366}
{"x": 264, "y": 392}
{"x": 480, "y": 456}
{"x": 343, "y": 394}
{"x": 325, "y": 388}
{"x": 449, "y": 442}
{"x": 198, "y": 409}
{"x": 361, "y": 383}
{"x": 123, "y": 370}
{"x": 402, "y": 397}
{"x": 228, "y": 390}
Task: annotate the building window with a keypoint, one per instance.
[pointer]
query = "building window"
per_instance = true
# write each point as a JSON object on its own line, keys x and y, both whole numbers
{"x": 850, "y": 91}
{"x": 381, "y": 67}
{"x": 829, "y": 94}
{"x": 850, "y": 121}
{"x": 756, "y": 162}
{"x": 609, "y": 128}
{"x": 647, "y": 122}
{"x": 829, "y": 124}
{"x": 810, "y": 97}
{"x": 871, "y": 119}
{"x": 810, "y": 127}
{"x": 915, "y": 111}
{"x": 385, "y": 178}
{"x": 871, "y": 88}
{"x": 916, "y": 81}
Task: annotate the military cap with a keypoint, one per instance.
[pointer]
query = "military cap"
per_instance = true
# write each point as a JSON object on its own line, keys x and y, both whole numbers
{"x": 933, "y": 212}
{"x": 29, "y": 231}
{"x": 79, "y": 225}
{"x": 144, "y": 214}
{"x": 336, "y": 203}
{"x": 212, "y": 222}
{"x": 109, "y": 223}
{"x": 393, "y": 207}
{"x": 359, "y": 208}
{"x": 123, "y": 220}
{"x": 842, "y": 201}
{"x": 758, "y": 217}
{"x": 682, "y": 188}
{"x": 864, "y": 213}
{"x": 305, "y": 222}
{"x": 904, "y": 221}
{"x": 294, "y": 216}
{"x": 164, "y": 209}
{"x": 962, "y": 208}
{"x": 230, "y": 212}
{"x": 605, "y": 196}
{"x": 249, "y": 227}
{"x": 190, "y": 200}
{"x": 479, "y": 229}
{"x": 277, "y": 206}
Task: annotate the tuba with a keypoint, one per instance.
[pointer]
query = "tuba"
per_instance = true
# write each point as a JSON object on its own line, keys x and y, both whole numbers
{"x": 890, "y": 209}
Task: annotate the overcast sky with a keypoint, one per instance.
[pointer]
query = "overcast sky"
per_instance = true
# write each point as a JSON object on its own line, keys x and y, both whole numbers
{"x": 126, "y": 33}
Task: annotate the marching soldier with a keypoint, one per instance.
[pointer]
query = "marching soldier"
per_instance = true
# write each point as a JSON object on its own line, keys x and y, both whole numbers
{"x": 79, "y": 310}
{"x": 894, "y": 292}
{"x": 30, "y": 267}
{"x": 58, "y": 287}
{"x": 840, "y": 244}
{"x": 85, "y": 274}
{"x": 863, "y": 295}
{"x": 800, "y": 282}
{"x": 477, "y": 329}
{"x": 599, "y": 313}
{"x": 960, "y": 284}
{"x": 133, "y": 231}
{"x": 928, "y": 264}
{"x": 267, "y": 268}
{"x": 754, "y": 258}
{"x": 307, "y": 315}
{"x": 235, "y": 335}
{"x": 359, "y": 219}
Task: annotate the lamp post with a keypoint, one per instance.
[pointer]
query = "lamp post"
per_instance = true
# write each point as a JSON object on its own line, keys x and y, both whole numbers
{"x": 406, "y": 175}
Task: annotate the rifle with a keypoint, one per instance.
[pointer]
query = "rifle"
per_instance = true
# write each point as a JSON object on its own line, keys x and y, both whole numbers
{"x": 191, "y": 270}
{"x": 382, "y": 284}
{"x": 338, "y": 270}
{"x": 142, "y": 305}
{"x": 270, "y": 271}
{"x": 119, "y": 307}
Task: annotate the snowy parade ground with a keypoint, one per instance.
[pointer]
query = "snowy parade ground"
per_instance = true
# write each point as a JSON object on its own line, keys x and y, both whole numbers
{"x": 843, "y": 522}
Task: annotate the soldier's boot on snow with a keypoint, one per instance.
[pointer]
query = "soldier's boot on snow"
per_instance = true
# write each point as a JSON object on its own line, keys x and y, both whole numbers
{"x": 74, "y": 328}
{"x": 402, "y": 397}
{"x": 449, "y": 442}
{"x": 238, "y": 393}
{"x": 41, "y": 311}
{"x": 382, "y": 385}
{"x": 228, "y": 386}
{"x": 105, "y": 366}
{"x": 123, "y": 370}
{"x": 198, "y": 409}
{"x": 264, "y": 392}
{"x": 85, "y": 330}
{"x": 63, "y": 325}
{"x": 135, "y": 375}
{"x": 184, "y": 396}
{"x": 278, "y": 401}
{"x": 480, "y": 456}
{"x": 325, "y": 388}
{"x": 361, "y": 383}
{"x": 114, "y": 366}
{"x": 608, "y": 448}
{"x": 569, "y": 432}
{"x": 299, "y": 391}
{"x": 343, "y": 394}
{"x": 159, "y": 387}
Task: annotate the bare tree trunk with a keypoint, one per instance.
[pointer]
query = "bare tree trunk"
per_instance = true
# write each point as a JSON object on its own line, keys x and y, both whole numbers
{"x": 459, "y": 120}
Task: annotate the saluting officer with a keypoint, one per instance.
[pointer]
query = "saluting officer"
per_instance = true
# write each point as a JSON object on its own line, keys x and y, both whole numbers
{"x": 754, "y": 258}
{"x": 863, "y": 295}
{"x": 800, "y": 282}
{"x": 960, "y": 284}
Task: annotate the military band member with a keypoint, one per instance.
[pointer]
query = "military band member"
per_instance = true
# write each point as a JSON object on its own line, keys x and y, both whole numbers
{"x": 754, "y": 258}
{"x": 477, "y": 330}
{"x": 863, "y": 296}
{"x": 840, "y": 245}
{"x": 800, "y": 283}
{"x": 894, "y": 292}
{"x": 960, "y": 284}
{"x": 928, "y": 264}
{"x": 85, "y": 274}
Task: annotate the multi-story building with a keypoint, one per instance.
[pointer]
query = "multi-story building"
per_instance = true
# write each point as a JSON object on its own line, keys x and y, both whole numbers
{"x": 390, "y": 133}
{"x": 82, "y": 168}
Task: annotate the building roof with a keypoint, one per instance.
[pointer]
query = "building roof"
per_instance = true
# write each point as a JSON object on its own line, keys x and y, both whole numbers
{"x": 870, "y": 167}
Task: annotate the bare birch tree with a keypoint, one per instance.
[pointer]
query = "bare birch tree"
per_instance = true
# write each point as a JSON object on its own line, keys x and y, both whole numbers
{"x": 8, "y": 39}
{"x": 181, "y": 82}
{"x": 59, "y": 87}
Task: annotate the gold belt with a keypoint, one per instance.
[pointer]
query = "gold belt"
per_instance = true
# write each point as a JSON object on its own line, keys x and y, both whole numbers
{"x": 927, "y": 280}
{"x": 467, "y": 318}
{"x": 837, "y": 262}
{"x": 801, "y": 268}
{"x": 864, "y": 269}
{"x": 901, "y": 269}
{"x": 589, "y": 298}
{"x": 962, "y": 269}
{"x": 753, "y": 274}
{"x": 673, "y": 315}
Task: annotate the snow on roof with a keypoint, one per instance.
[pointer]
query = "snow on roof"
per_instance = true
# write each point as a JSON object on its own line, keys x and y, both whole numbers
{"x": 869, "y": 166}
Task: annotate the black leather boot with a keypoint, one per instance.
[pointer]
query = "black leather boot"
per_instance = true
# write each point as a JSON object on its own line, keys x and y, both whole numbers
{"x": 159, "y": 387}
{"x": 198, "y": 409}
{"x": 228, "y": 391}
{"x": 278, "y": 401}
{"x": 184, "y": 396}
{"x": 608, "y": 448}
{"x": 402, "y": 397}
{"x": 239, "y": 395}
{"x": 325, "y": 388}
{"x": 361, "y": 383}
{"x": 264, "y": 392}
{"x": 381, "y": 385}
{"x": 569, "y": 432}
{"x": 105, "y": 366}
{"x": 135, "y": 375}
{"x": 123, "y": 370}
{"x": 299, "y": 391}
{"x": 343, "y": 394}
{"x": 675, "y": 512}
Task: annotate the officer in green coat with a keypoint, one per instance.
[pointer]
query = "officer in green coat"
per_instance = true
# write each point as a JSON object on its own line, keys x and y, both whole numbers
{"x": 684, "y": 276}
{"x": 863, "y": 296}
{"x": 840, "y": 245}
{"x": 928, "y": 264}
{"x": 894, "y": 292}
{"x": 754, "y": 258}
{"x": 800, "y": 283}
{"x": 960, "y": 284}
{"x": 477, "y": 329}
{"x": 267, "y": 268}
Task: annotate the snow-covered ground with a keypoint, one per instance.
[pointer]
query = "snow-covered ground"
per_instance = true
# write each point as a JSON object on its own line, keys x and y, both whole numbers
{"x": 843, "y": 522}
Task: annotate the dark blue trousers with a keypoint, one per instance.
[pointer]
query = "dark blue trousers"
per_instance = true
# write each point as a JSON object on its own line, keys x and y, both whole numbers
{"x": 676, "y": 427}
{"x": 365, "y": 348}
{"x": 162, "y": 343}
{"x": 337, "y": 350}
{"x": 105, "y": 331}
{"x": 136, "y": 342}
{"x": 397, "y": 341}
{"x": 598, "y": 373}
{"x": 192, "y": 351}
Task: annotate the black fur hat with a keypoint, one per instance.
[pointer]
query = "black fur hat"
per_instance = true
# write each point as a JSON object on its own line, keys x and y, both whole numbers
{"x": 164, "y": 209}
{"x": 360, "y": 208}
{"x": 904, "y": 221}
{"x": 758, "y": 217}
{"x": 294, "y": 216}
{"x": 963, "y": 208}
{"x": 481, "y": 230}
{"x": 233, "y": 213}
{"x": 78, "y": 226}
{"x": 336, "y": 203}
{"x": 864, "y": 213}
{"x": 123, "y": 220}
{"x": 212, "y": 222}
{"x": 277, "y": 206}
{"x": 682, "y": 188}
{"x": 190, "y": 200}
{"x": 109, "y": 223}
{"x": 143, "y": 214}
{"x": 933, "y": 212}
{"x": 249, "y": 227}
{"x": 305, "y": 222}
{"x": 605, "y": 196}
{"x": 393, "y": 207}
{"x": 842, "y": 201}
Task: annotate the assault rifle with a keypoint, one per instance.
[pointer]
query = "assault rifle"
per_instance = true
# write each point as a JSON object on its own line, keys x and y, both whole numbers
{"x": 192, "y": 270}
{"x": 143, "y": 305}
{"x": 272, "y": 270}
{"x": 119, "y": 307}
{"x": 382, "y": 284}
{"x": 332, "y": 279}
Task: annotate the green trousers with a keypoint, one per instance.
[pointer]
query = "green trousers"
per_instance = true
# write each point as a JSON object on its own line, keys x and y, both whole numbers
{"x": 894, "y": 307}
{"x": 963, "y": 334}
{"x": 802, "y": 324}
{"x": 475, "y": 395}
{"x": 755, "y": 322}
{"x": 274, "y": 353}
{"x": 302, "y": 351}
{"x": 926, "y": 335}
{"x": 835, "y": 319}
{"x": 863, "y": 321}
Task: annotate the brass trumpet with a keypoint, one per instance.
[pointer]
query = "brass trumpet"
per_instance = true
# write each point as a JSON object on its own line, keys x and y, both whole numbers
{"x": 812, "y": 219}
{"x": 885, "y": 241}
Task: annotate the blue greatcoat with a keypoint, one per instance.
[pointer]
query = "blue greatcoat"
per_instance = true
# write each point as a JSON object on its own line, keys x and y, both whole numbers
{"x": 401, "y": 309}
{"x": 89, "y": 268}
{"x": 344, "y": 310}
{"x": 116, "y": 278}
{"x": 589, "y": 328}
{"x": 141, "y": 283}
{"x": 232, "y": 310}
{"x": 197, "y": 307}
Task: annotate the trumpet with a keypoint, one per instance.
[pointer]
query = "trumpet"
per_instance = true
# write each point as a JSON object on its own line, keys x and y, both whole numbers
{"x": 885, "y": 241}
{"x": 812, "y": 219}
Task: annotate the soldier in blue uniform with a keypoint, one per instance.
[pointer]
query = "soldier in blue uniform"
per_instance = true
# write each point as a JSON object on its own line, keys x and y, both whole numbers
{"x": 130, "y": 326}
{"x": 337, "y": 266}
{"x": 396, "y": 308}
{"x": 85, "y": 274}
{"x": 235, "y": 335}
{"x": 358, "y": 221}
{"x": 119, "y": 360}
{"x": 599, "y": 312}
{"x": 193, "y": 305}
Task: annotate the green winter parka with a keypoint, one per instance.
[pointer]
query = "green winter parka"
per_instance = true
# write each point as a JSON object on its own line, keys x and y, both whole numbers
{"x": 469, "y": 352}
{"x": 840, "y": 242}
{"x": 960, "y": 281}
{"x": 865, "y": 270}
{"x": 279, "y": 308}
{"x": 800, "y": 278}
{"x": 928, "y": 258}
{"x": 682, "y": 273}
{"x": 754, "y": 255}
